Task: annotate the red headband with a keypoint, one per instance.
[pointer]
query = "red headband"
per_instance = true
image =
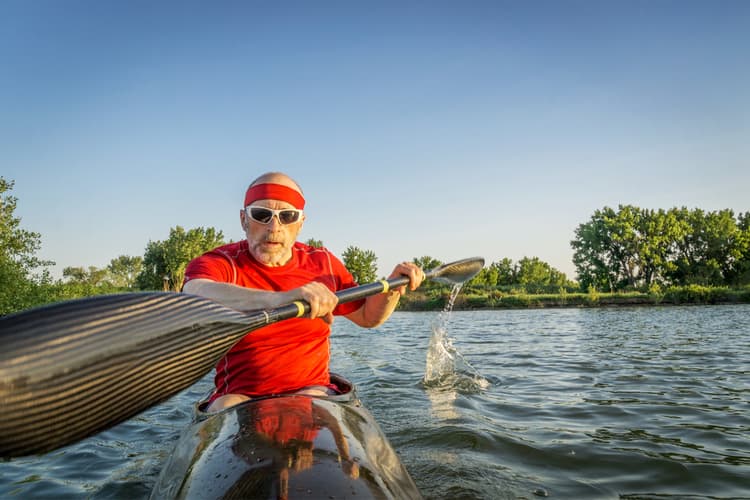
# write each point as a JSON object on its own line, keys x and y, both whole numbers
{"x": 274, "y": 192}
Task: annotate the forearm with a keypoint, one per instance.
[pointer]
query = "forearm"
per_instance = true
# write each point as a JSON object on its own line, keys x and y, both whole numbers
{"x": 237, "y": 297}
{"x": 376, "y": 309}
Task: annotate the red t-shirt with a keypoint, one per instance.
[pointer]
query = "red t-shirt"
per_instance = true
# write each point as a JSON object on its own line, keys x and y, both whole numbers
{"x": 284, "y": 356}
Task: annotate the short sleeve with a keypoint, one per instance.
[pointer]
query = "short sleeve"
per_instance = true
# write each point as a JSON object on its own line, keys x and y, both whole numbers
{"x": 213, "y": 265}
{"x": 344, "y": 280}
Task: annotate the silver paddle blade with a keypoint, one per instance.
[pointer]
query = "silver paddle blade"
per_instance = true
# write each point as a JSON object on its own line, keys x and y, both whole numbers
{"x": 457, "y": 272}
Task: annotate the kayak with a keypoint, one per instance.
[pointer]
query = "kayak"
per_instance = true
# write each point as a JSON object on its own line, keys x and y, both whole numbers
{"x": 286, "y": 446}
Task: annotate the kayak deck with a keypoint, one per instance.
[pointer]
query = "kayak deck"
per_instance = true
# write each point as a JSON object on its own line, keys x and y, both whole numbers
{"x": 289, "y": 446}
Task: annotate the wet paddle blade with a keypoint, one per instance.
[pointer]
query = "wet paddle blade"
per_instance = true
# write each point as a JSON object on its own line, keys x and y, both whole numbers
{"x": 457, "y": 272}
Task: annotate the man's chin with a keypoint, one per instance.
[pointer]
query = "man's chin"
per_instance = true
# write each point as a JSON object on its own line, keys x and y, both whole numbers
{"x": 271, "y": 255}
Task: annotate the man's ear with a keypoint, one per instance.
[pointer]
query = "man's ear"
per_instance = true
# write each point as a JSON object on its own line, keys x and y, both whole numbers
{"x": 243, "y": 222}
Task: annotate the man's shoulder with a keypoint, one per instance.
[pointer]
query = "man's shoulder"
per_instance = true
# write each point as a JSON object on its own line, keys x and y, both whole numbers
{"x": 235, "y": 245}
{"x": 229, "y": 250}
{"x": 310, "y": 251}
{"x": 218, "y": 264}
{"x": 316, "y": 257}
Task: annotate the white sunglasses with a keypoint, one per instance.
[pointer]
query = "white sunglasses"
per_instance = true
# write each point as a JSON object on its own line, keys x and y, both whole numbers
{"x": 264, "y": 215}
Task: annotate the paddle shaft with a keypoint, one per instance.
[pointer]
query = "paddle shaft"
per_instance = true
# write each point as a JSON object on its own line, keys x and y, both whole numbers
{"x": 300, "y": 308}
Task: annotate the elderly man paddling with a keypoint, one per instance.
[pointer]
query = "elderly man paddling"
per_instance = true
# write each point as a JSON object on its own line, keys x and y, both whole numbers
{"x": 269, "y": 269}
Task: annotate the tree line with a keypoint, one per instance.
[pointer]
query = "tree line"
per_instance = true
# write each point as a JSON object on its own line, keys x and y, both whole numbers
{"x": 629, "y": 248}
{"x": 636, "y": 248}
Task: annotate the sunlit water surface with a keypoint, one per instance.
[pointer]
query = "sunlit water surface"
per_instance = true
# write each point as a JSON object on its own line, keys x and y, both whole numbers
{"x": 568, "y": 403}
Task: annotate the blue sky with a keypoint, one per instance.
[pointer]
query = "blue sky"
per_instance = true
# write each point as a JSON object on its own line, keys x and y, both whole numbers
{"x": 448, "y": 129}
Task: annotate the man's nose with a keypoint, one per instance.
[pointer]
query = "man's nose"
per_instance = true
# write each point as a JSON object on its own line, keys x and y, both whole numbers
{"x": 274, "y": 223}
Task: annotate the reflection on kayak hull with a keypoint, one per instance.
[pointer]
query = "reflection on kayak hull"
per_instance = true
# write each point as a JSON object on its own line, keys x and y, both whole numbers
{"x": 290, "y": 446}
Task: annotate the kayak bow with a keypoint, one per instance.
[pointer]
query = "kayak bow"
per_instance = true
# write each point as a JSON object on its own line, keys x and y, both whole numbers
{"x": 286, "y": 446}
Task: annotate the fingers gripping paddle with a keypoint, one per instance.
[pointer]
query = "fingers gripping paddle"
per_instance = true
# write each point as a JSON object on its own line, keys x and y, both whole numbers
{"x": 72, "y": 369}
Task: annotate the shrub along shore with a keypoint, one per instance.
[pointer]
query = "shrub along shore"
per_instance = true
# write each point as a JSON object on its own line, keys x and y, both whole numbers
{"x": 474, "y": 298}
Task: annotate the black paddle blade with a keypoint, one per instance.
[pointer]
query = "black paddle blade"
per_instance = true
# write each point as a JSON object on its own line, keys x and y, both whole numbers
{"x": 75, "y": 368}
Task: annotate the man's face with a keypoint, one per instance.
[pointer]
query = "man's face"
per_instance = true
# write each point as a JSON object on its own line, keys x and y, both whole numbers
{"x": 271, "y": 244}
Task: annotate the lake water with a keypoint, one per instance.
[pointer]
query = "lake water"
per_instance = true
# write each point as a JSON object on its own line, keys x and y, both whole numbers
{"x": 649, "y": 402}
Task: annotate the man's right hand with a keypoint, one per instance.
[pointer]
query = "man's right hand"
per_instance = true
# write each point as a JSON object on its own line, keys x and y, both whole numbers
{"x": 321, "y": 299}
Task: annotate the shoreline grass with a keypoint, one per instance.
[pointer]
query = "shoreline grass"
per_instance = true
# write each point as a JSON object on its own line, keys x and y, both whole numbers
{"x": 495, "y": 299}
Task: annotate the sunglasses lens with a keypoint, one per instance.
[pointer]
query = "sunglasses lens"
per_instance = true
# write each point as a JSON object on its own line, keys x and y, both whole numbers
{"x": 288, "y": 216}
{"x": 262, "y": 215}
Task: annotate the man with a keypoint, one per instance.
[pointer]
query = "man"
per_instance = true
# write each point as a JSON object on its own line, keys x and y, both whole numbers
{"x": 269, "y": 269}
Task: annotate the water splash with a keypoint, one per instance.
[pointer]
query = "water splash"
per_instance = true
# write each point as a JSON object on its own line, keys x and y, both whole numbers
{"x": 446, "y": 368}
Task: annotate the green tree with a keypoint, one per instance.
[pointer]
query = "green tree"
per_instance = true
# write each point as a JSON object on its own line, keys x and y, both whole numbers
{"x": 165, "y": 261}
{"x": 538, "y": 276}
{"x": 314, "y": 243}
{"x": 609, "y": 249}
{"x": 625, "y": 241}
{"x": 742, "y": 273}
{"x": 507, "y": 272}
{"x": 79, "y": 282}
{"x": 660, "y": 230}
{"x": 427, "y": 263}
{"x": 711, "y": 251}
{"x": 361, "y": 263}
{"x": 724, "y": 247}
{"x": 124, "y": 269}
{"x": 21, "y": 272}
{"x": 492, "y": 275}
{"x": 633, "y": 247}
{"x": 484, "y": 278}
{"x": 595, "y": 255}
{"x": 154, "y": 273}
{"x": 92, "y": 276}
